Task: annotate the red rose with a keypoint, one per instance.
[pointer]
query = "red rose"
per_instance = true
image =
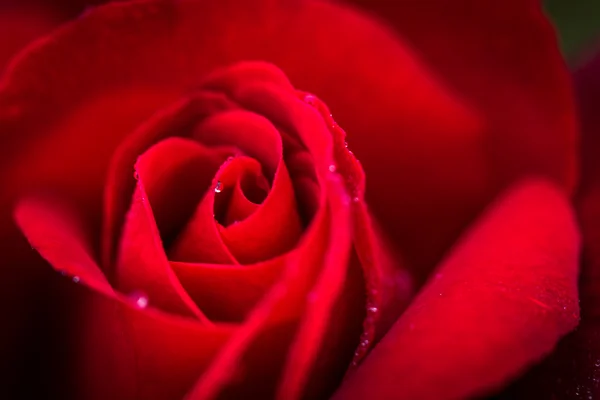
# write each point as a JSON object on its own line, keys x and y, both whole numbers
{"x": 219, "y": 233}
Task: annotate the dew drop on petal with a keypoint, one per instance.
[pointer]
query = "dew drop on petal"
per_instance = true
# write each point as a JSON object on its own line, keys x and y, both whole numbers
{"x": 309, "y": 99}
{"x": 332, "y": 168}
{"x": 139, "y": 299}
{"x": 76, "y": 279}
{"x": 218, "y": 187}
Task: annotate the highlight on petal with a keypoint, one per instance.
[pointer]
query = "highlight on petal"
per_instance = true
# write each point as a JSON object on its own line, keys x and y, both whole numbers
{"x": 499, "y": 302}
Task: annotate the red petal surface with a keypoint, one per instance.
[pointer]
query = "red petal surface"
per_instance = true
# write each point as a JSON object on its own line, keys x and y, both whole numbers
{"x": 389, "y": 286}
{"x": 228, "y": 292}
{"x": 501, "y": 60}
{"x": 123, "y": 351}
{"x": 141, "y": 261}
{"x": 178, "y": 173}
{"x": 265, "y": 338}
{"x": 173, "y": 120}
{"x": 59, "y": 237}
{"x": 573, "y": 370}
{"x": 312, "y": 282}
{"x": 499, "y": 302}
{"x": 273, "y": 230}
{"x": 22, "y": 23}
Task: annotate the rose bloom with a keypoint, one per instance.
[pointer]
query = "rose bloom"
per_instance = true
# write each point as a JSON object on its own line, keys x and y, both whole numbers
{"x": 287, "y": 199}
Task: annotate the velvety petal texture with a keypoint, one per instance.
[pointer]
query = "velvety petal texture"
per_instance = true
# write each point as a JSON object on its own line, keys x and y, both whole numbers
{"x": 499, "y": 302}
{"x": 501, "y": 61}
{"x": 573, "y": 371}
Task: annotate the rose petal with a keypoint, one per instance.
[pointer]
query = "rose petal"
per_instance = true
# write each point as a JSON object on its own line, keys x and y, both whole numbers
{"x": 142, "y": 263}
{"x": 318, "y": 328}
{"x": 240, "y": 206}
{"x": 254, "y": 135}
{"x": 121, "y": 351}
{"x": 251, "y": 240}
{"x": 503, "y": 62}
{"x": 573, "y": 370}
{"x": 22, "y": 23}
{"x": 472, "y": 328}
{"x": 388, "y": 284}
{"x": 59, "y": 237}
{"x": 200, "y": 241}
{"x": 178, "y": 173}
{"x": 273, "y": 230}
{"x": 174, "y": 120}
{"x": 228, "y": 292}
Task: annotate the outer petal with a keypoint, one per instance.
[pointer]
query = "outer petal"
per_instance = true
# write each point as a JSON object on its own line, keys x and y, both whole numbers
{"x": 573, "y": 371}
{"x": 21, "y": 24}
{"x": 500, "y": 301}
{"x": 502, "y": 60}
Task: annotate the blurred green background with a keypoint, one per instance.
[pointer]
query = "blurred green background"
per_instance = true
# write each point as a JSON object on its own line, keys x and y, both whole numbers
{"x": 578, "y": 24}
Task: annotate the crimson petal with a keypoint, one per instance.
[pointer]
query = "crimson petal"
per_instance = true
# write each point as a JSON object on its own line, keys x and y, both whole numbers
{"x": 502, "y": 61}
{"x": 499, "y": 302}
{"x": 573, "y": 370}
{"x": 141, "y": 262}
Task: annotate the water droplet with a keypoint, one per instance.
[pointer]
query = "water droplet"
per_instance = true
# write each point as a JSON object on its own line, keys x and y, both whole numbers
{"x": 345, "y": 144}
{"x": 372, "y": 309}
{"x": 310, "y": 99}
{"x": 76, "y": 279}
{"x": 332, "y": 168}
{"x": 364, "y": 343}
{"x": 136, "y": 175}
{"x": 218, "y": 187}
{"x": 230, "y": 159}
{"x": 356, "y": 199}
{"x": 139, "y": 299}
